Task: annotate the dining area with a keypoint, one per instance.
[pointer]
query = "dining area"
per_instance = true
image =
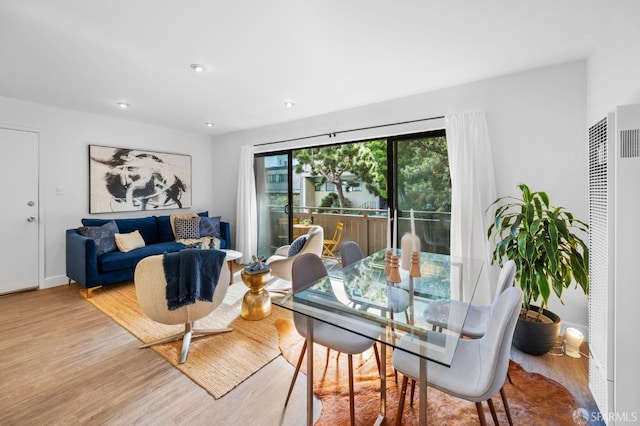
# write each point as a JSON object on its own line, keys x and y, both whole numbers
{"x": 423, "y": 314}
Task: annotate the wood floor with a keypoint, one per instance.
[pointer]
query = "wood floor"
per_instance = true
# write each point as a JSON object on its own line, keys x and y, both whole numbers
{"x": 64, "y": 362}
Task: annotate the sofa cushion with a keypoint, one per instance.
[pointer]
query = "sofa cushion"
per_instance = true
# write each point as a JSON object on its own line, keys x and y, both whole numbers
{"x": 165, "y": 233}
{"x": 297, "y": 245}
{"x": 103, "y": 236}
{"x": 187, "y": 228}
{"x": 146, "y": 226}
{"x": 210, "y": 227}
{"x": 130, "y": 241}
{"x": 117, "y": 260}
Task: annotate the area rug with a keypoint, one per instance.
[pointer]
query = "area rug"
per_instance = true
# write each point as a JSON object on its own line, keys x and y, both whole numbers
{"x": 533, "y": 398}
{"x": 217, "y": 363}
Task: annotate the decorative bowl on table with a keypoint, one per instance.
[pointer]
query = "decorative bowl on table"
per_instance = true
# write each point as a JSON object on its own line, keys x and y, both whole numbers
{"x": 256, "y": 303}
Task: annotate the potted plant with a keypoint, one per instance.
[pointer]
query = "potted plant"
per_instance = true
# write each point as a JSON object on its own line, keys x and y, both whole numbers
{"x": 542, "y": 241}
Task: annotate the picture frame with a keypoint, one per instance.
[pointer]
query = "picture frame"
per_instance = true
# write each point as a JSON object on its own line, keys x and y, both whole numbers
{"x": 128, "y": 179}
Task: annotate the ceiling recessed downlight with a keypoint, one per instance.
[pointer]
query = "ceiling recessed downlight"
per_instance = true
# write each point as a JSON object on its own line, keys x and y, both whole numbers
{"x": 208, "y": 124}
{"x": 198, "y": 67}
{"x": 289, "y": 104}
{"x": 123, "y": 105}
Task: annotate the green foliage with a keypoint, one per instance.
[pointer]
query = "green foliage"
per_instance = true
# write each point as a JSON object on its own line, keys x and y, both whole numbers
{"x": 331, "y": 200}
{"x": 378, "y": 149}
{"x": 424, "y": 180}
{"x": 540, "y": 238}
{"x": 332, "y": 162}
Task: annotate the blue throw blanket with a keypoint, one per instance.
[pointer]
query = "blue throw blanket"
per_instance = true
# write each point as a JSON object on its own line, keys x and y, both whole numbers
{"x": 191, "y": 275}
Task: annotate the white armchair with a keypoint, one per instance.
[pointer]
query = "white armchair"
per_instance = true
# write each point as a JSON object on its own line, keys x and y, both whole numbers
{"x": 280, "y": 262}
{"x": 151, "y": 283}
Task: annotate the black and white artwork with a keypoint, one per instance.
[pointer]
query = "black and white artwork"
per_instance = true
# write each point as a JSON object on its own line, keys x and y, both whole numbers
{"x": 123, "y": 179}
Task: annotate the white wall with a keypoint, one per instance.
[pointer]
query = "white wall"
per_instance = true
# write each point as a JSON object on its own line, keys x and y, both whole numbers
{"x": 537, "y": 127}
{"x": 613, "y": 70}
{"x": 64, "y": 139}
{"x": 613, "y": 67}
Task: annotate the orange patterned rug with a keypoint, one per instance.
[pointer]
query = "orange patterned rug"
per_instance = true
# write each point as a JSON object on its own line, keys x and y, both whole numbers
{"x": 533, "y": 398}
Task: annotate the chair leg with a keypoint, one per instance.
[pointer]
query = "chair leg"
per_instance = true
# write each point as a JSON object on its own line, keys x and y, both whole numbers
{"x": 413, "y": 391}
{"x": 494, "y": 416}
{"x": 503, "y": 395}
{"x": 169, "y": 339}
{"x": 326, "y": 364}
{"x": 186, "y": 336}
{"x": 403, "y": 395}
{"x": 196, "y": 333}
{"x": 186, "y": 342}
{"x": 295, "y": 374}
{"x": 352, "y": 415}
{"x": 483, "y": 421}
{"x": 375, "y": 351}
{"x": 509, "y": 378}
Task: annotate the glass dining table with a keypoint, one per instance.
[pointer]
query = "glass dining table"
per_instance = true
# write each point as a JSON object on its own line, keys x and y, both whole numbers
{"x": 362, "y": 300}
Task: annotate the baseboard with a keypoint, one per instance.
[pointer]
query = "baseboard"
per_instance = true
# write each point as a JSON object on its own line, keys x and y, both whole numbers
{"x": 56, "y": 281}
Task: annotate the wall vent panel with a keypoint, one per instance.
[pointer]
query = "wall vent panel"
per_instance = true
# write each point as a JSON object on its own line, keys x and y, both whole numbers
{"x": 598, "y": 262}
{"x": 630, "y": 143}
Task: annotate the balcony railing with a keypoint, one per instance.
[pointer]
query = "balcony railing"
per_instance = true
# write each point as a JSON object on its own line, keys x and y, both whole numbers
{"x": 368, "y": 227}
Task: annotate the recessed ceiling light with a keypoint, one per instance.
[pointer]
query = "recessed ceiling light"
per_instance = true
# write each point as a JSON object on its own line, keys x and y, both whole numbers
{"x": 208, "y": 124}
{"x": 123, "y": 105}
{"x": 198, "y": 67}
{"x": 289, "y": 104}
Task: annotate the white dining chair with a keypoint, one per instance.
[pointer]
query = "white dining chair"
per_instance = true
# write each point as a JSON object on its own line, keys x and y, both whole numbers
{"x": 475, "y": 324}
{"x": 306, "y": 270}
{"x": 438, "y": 312}
{"x": 479, "y": 366}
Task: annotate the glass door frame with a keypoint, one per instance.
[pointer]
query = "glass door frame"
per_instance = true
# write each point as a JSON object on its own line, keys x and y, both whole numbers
{"x": 393, "y": 179}
{"x": 392, "y": 172}
{"x": 287, "y": 208}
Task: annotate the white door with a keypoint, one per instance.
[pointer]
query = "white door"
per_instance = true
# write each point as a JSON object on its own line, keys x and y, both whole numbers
{"x": 19, "y": 223}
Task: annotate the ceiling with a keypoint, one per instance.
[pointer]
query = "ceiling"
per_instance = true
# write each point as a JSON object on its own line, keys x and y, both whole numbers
{"x": 325, "y": 55}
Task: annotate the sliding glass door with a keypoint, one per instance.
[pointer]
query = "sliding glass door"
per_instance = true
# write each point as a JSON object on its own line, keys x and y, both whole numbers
{"x": 423, "y": 183}
{"x": 354, "y": 183}
{"x": 274, "y": 193}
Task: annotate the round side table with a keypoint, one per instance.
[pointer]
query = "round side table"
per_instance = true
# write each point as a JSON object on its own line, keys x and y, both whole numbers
{"x": 256, "y": 303}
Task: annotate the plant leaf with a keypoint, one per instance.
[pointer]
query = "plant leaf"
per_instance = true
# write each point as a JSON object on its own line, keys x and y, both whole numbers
{"x": 535, "y": 225}
{"x": 543, "y": 288}
{"x": 545, "y": 198}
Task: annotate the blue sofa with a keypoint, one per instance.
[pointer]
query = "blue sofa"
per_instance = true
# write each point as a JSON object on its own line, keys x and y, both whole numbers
{"x": 90, "y": 270}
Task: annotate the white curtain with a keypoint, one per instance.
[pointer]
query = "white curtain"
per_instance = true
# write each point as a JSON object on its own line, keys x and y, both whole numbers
{"x": 247, "y": 219}
{"x": 473, "y": 189}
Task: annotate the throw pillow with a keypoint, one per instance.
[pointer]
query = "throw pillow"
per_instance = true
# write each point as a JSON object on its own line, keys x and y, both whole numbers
{"x": 210, "y": 227}
{"x": 187, "y": 228}
{"x": 104, "y": 236}
{"x": 297, "y": 245}
{"x": 173, "y": 217}
{"x": 130, "y": 241}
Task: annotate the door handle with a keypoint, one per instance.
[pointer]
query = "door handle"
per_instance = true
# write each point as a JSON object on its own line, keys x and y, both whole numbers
{"x": 287, "y": 209}
{"x": 31, "y": 219}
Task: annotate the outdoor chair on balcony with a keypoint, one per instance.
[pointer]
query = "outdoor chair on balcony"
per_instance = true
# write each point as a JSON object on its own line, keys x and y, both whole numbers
{"x": 330, "y": 246}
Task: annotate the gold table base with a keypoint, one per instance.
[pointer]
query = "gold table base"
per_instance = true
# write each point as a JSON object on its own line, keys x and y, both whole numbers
{"x": 256, "y": 304}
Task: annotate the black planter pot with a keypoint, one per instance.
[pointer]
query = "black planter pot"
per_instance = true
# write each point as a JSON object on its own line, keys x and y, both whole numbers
{"x": 537, "y": 338}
